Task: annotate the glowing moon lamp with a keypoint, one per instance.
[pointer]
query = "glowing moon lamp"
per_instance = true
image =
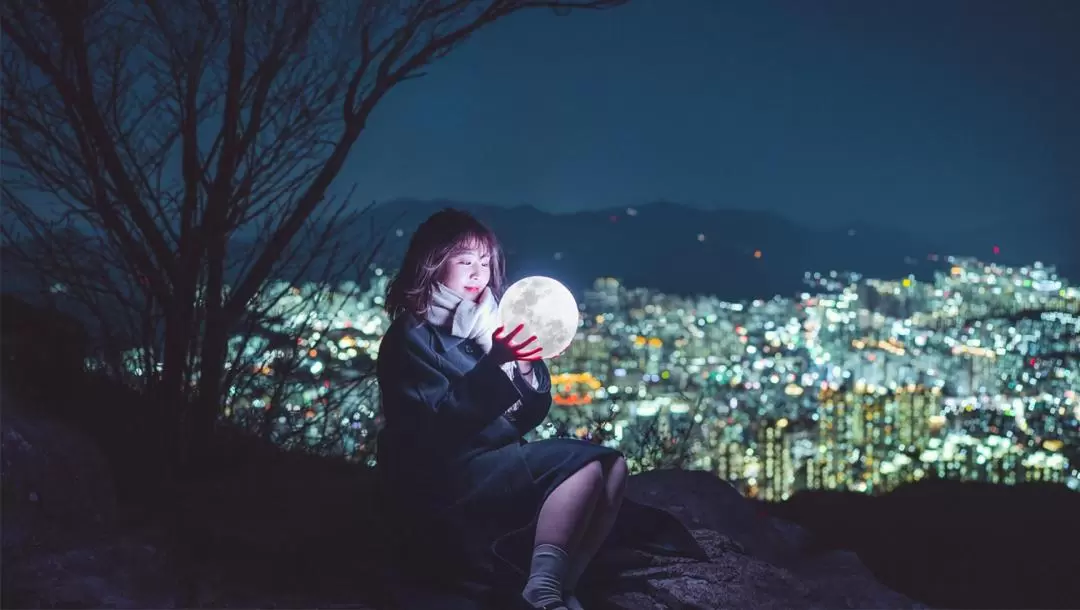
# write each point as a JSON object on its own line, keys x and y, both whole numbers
{"x": 546, "y": 308}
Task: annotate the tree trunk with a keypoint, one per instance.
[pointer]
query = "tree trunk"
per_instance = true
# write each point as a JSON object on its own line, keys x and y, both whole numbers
{"x": 171, "y": 393}
{"x": 207, "y": 409}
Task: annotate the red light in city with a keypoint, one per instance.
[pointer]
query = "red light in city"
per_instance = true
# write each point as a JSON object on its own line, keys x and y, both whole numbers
{"x": 997, "y": 250}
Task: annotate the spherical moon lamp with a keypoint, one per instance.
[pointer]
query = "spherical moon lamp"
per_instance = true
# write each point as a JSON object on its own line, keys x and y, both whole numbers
{"x": 546, "y": 308}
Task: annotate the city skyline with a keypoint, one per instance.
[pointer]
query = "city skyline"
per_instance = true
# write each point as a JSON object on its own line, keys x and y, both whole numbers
{"x": 859, "y": 384}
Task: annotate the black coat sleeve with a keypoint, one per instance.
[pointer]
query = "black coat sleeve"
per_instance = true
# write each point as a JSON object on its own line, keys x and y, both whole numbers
{"x": 535, "y": 403}
{"x": 427, "y": 400}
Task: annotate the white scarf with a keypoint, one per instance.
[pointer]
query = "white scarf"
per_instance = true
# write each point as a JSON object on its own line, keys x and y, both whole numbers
{"x": 475, "y": 320}
{"x": 467, "y": 319}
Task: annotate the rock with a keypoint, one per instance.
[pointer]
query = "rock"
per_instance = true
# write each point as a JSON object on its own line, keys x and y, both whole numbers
{"x": 59, "y": 505}
{"x": 702, "y": 501}
{"x": 913, "y": 535}
{"x": 754, "y": 561}
{"x": 55, "y": 481}
{"x": 126, "y": 573}
{"x": 732, "y": 579}
{"x": 631, "y": 600}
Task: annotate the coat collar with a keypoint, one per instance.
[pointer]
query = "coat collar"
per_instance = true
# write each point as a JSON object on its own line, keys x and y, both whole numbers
{"x": 445, "y": 340}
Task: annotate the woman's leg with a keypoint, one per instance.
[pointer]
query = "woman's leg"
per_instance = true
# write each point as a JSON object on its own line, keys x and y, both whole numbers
{"x": 559, "y": 529}
{"x": 603, "y": 519}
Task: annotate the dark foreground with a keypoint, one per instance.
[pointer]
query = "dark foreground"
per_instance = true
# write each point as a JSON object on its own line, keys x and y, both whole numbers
{"x": 287, "y": 531}
{"x": 957, "y": 545}
{"x": 87, "y": 522}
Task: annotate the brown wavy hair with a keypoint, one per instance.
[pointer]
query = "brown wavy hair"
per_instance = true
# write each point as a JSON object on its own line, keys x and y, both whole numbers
{"x": 444, "y": 234}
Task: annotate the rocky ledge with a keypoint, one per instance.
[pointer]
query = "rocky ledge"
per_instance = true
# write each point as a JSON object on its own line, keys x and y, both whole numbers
{"x": 291, "y": 533}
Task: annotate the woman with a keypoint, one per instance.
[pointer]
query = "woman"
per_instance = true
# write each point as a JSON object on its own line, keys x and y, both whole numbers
{"x": 458, "y": 395}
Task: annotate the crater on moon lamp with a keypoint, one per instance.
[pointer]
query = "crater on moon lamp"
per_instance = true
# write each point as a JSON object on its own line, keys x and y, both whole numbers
{"x": 546, "y": 308}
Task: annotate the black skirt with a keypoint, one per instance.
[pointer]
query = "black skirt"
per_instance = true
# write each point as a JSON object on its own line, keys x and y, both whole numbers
{"x": 552, "y": 461}
{"x": 482, "y": 544}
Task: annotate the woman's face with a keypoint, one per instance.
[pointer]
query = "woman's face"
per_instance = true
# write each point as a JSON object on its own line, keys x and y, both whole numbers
{"x": 467, "y": 273}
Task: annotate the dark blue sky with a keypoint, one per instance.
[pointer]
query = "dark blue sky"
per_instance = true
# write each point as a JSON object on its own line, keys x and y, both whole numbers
{"x": 942, "y": 116}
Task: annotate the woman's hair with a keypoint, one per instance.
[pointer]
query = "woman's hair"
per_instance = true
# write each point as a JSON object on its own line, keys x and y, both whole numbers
{"x": 446, "y": 233}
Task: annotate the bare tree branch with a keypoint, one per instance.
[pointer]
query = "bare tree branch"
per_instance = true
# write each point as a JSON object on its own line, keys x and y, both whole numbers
{"x": 170, "y": 131}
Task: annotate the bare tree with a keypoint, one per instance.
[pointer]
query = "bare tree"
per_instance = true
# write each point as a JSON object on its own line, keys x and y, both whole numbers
{"x": 164, "y": 129}
{"x": 301, "y": 382}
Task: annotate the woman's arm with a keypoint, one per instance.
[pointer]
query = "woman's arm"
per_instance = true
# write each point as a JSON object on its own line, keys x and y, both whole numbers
{"x": 535, "y": 397}
{"x": 409, "y": 376}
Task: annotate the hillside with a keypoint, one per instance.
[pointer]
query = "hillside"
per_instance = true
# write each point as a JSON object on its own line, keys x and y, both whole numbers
{"x": 955, "y": 544}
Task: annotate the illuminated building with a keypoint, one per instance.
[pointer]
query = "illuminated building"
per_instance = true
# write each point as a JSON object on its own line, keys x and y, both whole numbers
{"x": 916, "y": 406}
{"x": 604, "y": 296}
{"x": 729, "y": 461}
{"x": 835, "y": 430}
{"x": 777, "y": 474}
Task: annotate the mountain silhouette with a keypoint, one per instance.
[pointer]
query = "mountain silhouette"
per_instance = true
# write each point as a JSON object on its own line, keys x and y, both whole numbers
{"x": 673, "y": 248}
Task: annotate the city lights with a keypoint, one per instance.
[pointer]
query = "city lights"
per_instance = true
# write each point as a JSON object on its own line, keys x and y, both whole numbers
{"x": 858, "y": 384}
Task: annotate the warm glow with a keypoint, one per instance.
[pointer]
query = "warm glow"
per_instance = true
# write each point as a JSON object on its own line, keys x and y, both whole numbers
{"x": 566, "y": 396}
{"x": 974, "y": 351}
{"x": 572, "y": 400}
{"x": 582, "y": 378}
{"x": 1053, "y": 445}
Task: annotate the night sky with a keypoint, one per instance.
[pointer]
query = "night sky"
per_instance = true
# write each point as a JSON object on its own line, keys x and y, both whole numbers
{"x": 933, "y": 116}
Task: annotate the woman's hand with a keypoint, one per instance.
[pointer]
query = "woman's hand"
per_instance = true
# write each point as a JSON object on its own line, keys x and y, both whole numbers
{"x": 503, "y": 350}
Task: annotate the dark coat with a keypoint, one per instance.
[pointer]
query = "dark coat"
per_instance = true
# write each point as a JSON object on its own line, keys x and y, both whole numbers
{"x": 446, "y": 427}
{"x": 462, "y": 485}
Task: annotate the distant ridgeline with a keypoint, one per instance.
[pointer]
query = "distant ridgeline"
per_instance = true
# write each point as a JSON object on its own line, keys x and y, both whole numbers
{"x": 669, "y": 248}
{"x": 676, "y": 249}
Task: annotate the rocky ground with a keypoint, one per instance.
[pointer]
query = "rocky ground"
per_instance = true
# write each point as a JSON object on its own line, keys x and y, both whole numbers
{"x": 291, "y": 532}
